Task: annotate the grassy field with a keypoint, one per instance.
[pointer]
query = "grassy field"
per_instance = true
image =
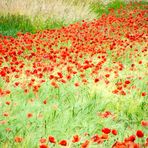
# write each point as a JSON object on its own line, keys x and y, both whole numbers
{"x": 74, "y": 82}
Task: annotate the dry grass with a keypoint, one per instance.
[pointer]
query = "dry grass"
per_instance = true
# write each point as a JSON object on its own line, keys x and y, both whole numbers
{"x": 59, "y": 9}
{"x": 67, "y": 10}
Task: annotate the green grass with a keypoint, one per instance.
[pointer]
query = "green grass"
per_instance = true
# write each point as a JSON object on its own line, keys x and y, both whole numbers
{"x": 10, "y": 25}
{"x": 77, "y": 110}
{"x": 100, "y": 8}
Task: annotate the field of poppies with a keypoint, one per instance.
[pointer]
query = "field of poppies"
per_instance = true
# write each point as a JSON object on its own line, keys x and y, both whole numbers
{"x": 84, "y": 85}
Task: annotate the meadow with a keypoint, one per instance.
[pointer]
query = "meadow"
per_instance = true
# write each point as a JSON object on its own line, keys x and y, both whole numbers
{"x": 74, "y": 81}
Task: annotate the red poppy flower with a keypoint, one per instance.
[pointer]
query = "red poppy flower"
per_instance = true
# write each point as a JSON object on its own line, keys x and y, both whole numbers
{"x": 2, "y": 73}
{"x": 43, "y": 146}
{"x": 6, "y": 114}
{"x": 114, "y": 132}
{"x": 104, "y": 136}
{"x": 144, "y": 123}
{"x": 8, "y": 102}
{"x": 63, "y": 142}
{"x": 45, "y": 102}
{"x": 18, "y": 139}
{"x": 143, "y": 94}
{"x": 63, "y": 81}
{"x": 51, "y": 139}
{"x": 60, "y": 74}
{"x": 139, "y": 133}
{"x": 42, "y": 140}
{"x": 77, "y": 84}
{"x": 131, "y": 138}
{"x": 54, "y": 84}
{"x": 76, "y": 138}
{"x": 122, "y": 92}
{"x": 29, "y": 115}
{"x": 96, "y": 80}
{"x": 95, "y": 138}
{"x": 146, "y": 143}
{"x": 127, "y": 82}
{"x": 107, "y": 75}
{"x": 118, "y": 144}
{"x": 106, "y": 130}
{"x": 106, "y": 114}
{"x": 8, "y": 129}
{"x": 115, "y": 91}
{"x": 85, "y": 144}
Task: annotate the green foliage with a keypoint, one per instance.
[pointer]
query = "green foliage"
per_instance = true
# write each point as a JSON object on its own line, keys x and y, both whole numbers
{"x": 11, "y": 24}
{"x": 51, "y": 23}
{"x": 100, "y": 9}
{"x": 104, "y": 9}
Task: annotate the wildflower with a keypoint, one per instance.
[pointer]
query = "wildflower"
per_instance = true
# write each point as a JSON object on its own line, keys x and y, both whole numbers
{"x": 18, "y": 139}
{"x": 77, "y": 84}
{"x": 63, "y": 142}
{"x": 51, "y": 139}
{"x": 106, "y": 130}
{"x": 43, "y": 146}
{"x": 139, "y": 133}
{"x": 127, "y": 82}
{"x": 60, "y": 74}
{"x": 107, "y": 75}
{"x": 3, "y": 122}
{"x": 85, "y": 144}
{"x": 143, "y": 94}
{"x": 96, "y": 80}
{"x": 29, "y": 115}
{"x": 8, "y": 102}
{"x": 131, "y": 138}
{"x": 76, "y": 138}
{"x": 114, "y": 132}
{"x": 42, "y": 140}
{"x": 144, "y": 123}
{"x": 6, "y": 114}
{"x": 8, "y": 129}
{"x": 45, "y": 102}
{"x": 104, "y": 136}
{"x": 95, "y": 138}
{"x": 54, "y": 84}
